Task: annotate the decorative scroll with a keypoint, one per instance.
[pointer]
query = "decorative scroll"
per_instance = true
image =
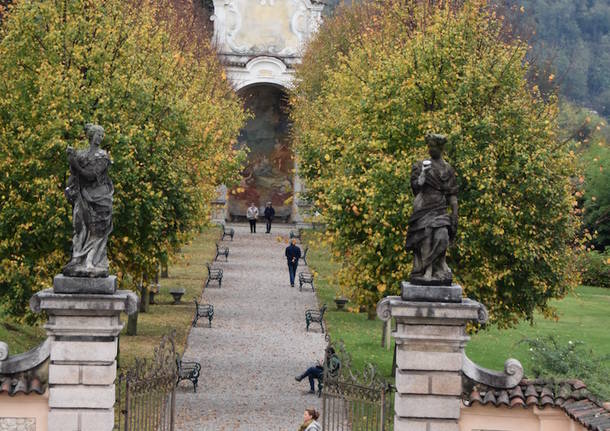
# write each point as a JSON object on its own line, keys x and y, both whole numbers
{"x": 512, "y": 375}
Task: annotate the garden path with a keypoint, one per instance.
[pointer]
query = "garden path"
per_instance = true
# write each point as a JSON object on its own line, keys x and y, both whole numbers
{"x": 256, "y": 345}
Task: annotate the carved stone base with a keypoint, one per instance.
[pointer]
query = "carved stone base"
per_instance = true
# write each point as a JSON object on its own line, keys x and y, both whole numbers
{"x": 420, "y": 293}
{"x": 83, "y": 332}
{"x": 105, "y": 285}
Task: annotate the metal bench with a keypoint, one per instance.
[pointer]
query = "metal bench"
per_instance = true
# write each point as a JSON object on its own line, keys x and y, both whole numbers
{"x": 214, "y": 274}
{"x": 306, "y": 278}
{"x": 222, "y": 251}
{"x": 315, "y": 316}
{"x": 304, "y": 255}
{"x": 203, "y": 310}
{"x": 227, "y": 232}
{"x": 332, "y": 368}
{"x": 188, "y": 371}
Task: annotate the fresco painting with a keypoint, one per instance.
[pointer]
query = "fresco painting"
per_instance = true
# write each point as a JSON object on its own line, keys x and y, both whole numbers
{"x": 268, "y": 175}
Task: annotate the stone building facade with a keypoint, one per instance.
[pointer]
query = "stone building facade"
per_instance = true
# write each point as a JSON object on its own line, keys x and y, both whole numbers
{"x": 260, "y": 42}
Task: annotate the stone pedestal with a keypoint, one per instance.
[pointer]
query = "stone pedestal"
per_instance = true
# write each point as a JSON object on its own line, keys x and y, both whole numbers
{"x": 430, "y": 338}
{"x": 83, "y": 330}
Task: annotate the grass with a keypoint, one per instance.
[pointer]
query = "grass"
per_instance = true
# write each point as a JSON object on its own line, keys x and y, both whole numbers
{"x": 20, "y": 337}
{"x": 187, "y": 272}
{"x": 362, "y": 337}
{"x": 584, "y": 315}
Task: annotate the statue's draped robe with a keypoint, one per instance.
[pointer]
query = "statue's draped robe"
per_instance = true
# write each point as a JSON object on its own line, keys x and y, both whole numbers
{"x": 430, "y": 212}
{"x": 91, "y": 196}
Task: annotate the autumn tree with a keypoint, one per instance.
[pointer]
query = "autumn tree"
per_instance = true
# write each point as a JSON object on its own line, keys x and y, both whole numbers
{"x": 427, "y": 66}
{"x": 170, "y": 119}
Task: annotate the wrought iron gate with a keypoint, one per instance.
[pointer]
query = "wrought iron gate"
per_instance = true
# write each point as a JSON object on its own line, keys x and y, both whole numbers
{"x": 354, "y": 401}
{"x": 146, "y": 393}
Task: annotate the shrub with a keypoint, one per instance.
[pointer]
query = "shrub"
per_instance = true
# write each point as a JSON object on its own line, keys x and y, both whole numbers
{"x": 553, "y": 360}
{"x": 596, "y": 271}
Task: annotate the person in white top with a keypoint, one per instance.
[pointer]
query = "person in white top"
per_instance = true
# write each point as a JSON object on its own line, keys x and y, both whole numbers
{"x": 252, "y": 215}
{"x": 309, "y": 421}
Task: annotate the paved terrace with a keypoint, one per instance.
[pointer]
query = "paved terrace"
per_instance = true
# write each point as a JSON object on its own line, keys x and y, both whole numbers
{"x": 256, "y": 345}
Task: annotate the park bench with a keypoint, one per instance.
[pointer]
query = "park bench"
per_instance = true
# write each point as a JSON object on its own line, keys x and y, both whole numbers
{"x": 315, "y": 316}
{"x": 304, "y": 255}
{"x": 306, "y": 278}
{"x": 296, "y": 233}
{"x": 222, "y": 251}
{"x": 203, "y": 311}
{"x": 227, "y": 232}
{"x": 214, "y": 274}
{"x": 188, "y": 371}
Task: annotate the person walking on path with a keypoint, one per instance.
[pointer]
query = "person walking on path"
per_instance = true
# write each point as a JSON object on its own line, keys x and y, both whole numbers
{"x": 310, "y": 422}
{"x": 252, "y": 215}
{"x": 269, "y": 214}
{"x": 293, "y": 253}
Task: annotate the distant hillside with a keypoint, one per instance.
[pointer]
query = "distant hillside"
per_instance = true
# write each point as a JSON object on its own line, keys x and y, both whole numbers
{"x": 570, "y": 41}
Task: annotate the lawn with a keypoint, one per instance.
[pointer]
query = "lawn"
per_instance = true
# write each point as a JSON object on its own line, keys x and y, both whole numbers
{"x": 188, "y": 272}
{"x": 584, "y": 315}
{"x": 20, "y": 337}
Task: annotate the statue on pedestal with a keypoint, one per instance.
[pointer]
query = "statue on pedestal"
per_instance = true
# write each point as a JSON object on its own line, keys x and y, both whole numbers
{"x": 431, "y": 226}
{"x": 90, "y": 191}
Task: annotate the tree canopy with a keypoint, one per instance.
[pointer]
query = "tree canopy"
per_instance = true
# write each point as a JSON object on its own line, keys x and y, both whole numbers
{"x": 170, "y": 118}
{"x": 374, "y": 81}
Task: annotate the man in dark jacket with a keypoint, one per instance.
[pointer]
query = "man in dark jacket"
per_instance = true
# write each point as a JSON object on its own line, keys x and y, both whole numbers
{"x": 269, "y": 214}
{"x": 293, "y": 253}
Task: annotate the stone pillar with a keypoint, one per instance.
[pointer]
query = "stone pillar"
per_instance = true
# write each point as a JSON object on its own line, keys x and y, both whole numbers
{"x": 83, "y": 330}
{"x": 430, "y": 338}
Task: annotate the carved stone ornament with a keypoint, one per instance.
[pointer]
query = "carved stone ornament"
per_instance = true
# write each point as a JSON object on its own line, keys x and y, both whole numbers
{"x": 431, "y": 226}
{"x": 264, "y": 27}
{"x": 512, "y": 375}
{"x": 384, "y": 309}
{"x": 90, "y": 192}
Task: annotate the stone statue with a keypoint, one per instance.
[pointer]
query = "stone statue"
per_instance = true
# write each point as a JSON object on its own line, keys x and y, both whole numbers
{"x": 431, "y": 226}
{"x": 90, "y": 192}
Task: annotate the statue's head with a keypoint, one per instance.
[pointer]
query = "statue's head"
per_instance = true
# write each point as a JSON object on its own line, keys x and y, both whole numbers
{"x": 436, "y": 144}
{"x": 95, "y": 134}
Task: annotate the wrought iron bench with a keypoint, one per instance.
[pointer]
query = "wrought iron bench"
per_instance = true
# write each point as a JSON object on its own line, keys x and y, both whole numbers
{"x": 331, "y": 369}
{"x": 214, "y": 274}
{"x": 304, "y": 255}
{"x": 188, "y": 371}
{"x": 296, "y": 233}
{"x": 222, "y": 251}
{"x": 203, "y": 311}
{"x": 315, "y": 316}
{"x": 306, "y": 278}
{"x": 227, "y": 232}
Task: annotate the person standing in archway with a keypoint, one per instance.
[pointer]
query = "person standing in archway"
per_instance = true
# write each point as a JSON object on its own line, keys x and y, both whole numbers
{"x": 252, "y": 215}
{"x": 269, "y": 214}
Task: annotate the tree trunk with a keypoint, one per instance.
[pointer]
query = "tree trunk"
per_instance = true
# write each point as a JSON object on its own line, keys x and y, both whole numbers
{"x": 132, "y": 324}
{"x": 164, "y": 271}
{"x": 371, "y": 312}
{"x": 144, "y": 298}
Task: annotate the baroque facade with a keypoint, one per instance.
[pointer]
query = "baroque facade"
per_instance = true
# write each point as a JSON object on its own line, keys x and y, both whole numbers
{"x": 260, "y": 42}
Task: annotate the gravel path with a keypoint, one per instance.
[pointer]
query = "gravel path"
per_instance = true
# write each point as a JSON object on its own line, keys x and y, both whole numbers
{"x": 256, "y": 345}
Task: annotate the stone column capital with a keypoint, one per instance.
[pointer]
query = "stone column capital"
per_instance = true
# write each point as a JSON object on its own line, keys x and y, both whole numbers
{"x": 123, "y": 301}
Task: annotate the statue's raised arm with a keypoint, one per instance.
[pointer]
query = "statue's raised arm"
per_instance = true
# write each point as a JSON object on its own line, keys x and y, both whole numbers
{"x": 90, "y": 192}
{"x": 432, "y": 226}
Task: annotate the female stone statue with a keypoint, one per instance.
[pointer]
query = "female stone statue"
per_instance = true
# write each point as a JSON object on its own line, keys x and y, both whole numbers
{"x": 431, "y": 227}
{"x": 90, "y": 192}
